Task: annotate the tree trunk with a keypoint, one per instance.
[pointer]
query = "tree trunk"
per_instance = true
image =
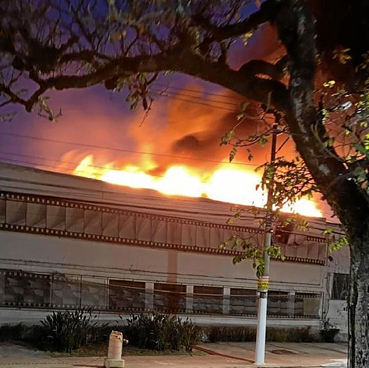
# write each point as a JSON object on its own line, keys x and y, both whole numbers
{"x": 347, "y": 198}
{"x": 358, "y": 301}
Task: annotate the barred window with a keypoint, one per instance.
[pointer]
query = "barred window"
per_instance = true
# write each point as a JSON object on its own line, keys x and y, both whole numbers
{"x": 243, "y": 301}
{"x": 126, "y": 295}
{"x": 340, "y": 288}
{"x": 25, "y": 289}
{"x": 307, "y": 305}
{"x": 208, "y": 299}
{"x": 169, "y": 297}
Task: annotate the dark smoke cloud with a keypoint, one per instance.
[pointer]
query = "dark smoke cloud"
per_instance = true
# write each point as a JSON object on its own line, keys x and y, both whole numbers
{"x": 190, "y": 133}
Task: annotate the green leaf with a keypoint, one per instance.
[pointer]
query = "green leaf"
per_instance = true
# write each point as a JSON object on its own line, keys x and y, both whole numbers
{"x": 240, "y": 116}
{"x": 328, "y": 231}
{"x": 236, "y": 259}
{"x": 245, "y": 37}
{"x": 263, "y": 140}
{"x": 245, "y": 105}
{"x": 232, "y": 154}
{"x": 361, "y": 149}
{"x": 227, "y": 137}
{"x": 325, "y": 114}
{"x": 329, "y": 84}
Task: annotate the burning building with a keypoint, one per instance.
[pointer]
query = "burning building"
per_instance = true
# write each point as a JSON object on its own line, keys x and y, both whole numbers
{"x": 69, "y": 242}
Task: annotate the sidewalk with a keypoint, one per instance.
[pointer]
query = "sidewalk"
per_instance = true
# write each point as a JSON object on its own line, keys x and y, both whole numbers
{"x": 214, "y": 355}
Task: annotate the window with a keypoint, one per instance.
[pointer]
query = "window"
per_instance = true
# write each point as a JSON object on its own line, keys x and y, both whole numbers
{"x": 26, "y": 289}
{"x": 340, "y": 287}
{"x": 208, "y": 299}
{"x": 279, "y": 303}
{"x": 128, "y": 295}
{"x": 243, "y": 301}
{"x": 169, "y": 297}
{"x": 307, "y": 305}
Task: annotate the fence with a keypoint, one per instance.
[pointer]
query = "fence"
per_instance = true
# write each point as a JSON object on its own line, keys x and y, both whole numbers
{"x": 55, "y": 291}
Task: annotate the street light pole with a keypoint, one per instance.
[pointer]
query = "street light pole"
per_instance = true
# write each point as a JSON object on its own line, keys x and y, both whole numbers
{"x": 263, "y": 282}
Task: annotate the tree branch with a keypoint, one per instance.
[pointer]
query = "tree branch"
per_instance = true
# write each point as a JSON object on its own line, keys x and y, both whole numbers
{"x": 87, "y": 56}
{"x": 13, "y": 97}
{"x": 276, "y": 71}
{"x": 246, "y": 83}
{"x": 118, "y": 68}
{"x": 267, "y": 12}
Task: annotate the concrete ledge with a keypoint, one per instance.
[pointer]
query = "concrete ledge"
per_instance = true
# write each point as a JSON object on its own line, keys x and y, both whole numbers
{"x": 32, "y": 316}
{"x": 113, "y": 363}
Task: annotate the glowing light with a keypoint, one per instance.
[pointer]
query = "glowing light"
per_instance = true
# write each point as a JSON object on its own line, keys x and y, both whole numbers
{"x": 304, "y": 207}
{"x": 86, "y": 169}
{"x": 236, "y": 186}
{"x": 179, "y": 180}
{"x": 130, "y": 177}
{"x": 233, "y": 185}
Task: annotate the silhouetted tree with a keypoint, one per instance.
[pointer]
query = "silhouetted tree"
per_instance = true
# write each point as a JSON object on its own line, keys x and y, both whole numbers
{"x": 64, "y": 44}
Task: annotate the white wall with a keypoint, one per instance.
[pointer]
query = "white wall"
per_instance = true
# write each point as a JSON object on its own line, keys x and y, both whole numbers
{"x": 337, "y": 316}
{"x": 30, "y": 317}
{"x": 336, "y": 313}
{"x": 51, "y": 254}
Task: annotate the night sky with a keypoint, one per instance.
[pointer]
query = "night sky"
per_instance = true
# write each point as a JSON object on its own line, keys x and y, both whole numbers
{"x": 102, "y": 118}
{"x": 183, "y": 127}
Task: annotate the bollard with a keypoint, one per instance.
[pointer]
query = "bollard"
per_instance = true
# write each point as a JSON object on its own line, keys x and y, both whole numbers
{"x": 114, "y": 359}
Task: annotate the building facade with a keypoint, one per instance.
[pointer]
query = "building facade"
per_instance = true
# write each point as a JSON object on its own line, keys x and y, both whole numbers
{"x": 69, "y": 242}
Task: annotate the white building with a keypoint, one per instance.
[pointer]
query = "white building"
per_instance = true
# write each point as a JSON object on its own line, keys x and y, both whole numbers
{"x": 67, "y": 242}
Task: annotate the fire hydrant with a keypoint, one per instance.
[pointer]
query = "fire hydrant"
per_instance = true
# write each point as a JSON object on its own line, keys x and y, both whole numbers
{"x": 114, "y": 359}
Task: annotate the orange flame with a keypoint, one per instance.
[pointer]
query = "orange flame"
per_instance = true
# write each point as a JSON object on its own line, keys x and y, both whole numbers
{"x": 226, "y": 183}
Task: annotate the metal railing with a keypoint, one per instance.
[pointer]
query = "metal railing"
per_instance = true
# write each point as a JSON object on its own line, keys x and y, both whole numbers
{"x": 55, "y": 291}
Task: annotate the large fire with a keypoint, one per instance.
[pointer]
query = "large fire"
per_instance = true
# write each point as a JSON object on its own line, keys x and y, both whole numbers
{"x": 227, "y": 183}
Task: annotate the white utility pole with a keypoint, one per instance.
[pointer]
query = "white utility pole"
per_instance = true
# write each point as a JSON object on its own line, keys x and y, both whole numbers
{"x": 263, "y": 282}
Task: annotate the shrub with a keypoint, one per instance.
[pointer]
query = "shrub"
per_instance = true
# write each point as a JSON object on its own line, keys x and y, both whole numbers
{"x": 99, "y": 333}
{"x": 67, "y": 330}
{"x": 277, "y": 334}
{"x": 303, "y": 334}
{"x": 161, "y": 332}
{"x": 329, "y": 335}
{"x": 231, "y": 334}
{"x": 41, "y": 336}
{"x": 11, "y": 332}
{"x": 191, "y": 335}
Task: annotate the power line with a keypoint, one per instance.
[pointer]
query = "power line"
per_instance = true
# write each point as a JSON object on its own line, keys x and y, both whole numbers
{"x": 173, "y": 94}
{"x": 96, "y": 166}
{"x": 206, "y": 101}
{"x": 196, "y": 102}
{"x": 123, "y": 150}
{"x": 102, "y": 147}
{"x": 93, "y": 167}
{"x": 194, "y": 91}
{"x": 99, "y": 194}
{"x": 79, "y": 171}
{"x": 60, "y": 162}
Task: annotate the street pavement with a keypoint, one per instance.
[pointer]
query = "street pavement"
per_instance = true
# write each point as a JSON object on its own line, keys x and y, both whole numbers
{"x": 207, "y": 355}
